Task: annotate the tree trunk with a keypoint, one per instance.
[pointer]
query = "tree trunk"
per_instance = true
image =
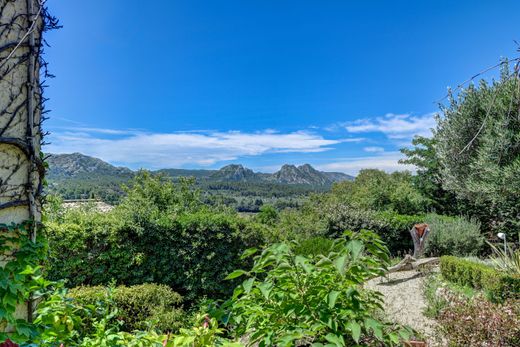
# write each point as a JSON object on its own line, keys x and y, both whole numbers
{"x": 21, "y": 168}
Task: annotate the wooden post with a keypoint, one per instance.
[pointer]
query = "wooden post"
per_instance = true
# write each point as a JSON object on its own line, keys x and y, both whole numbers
{"x": 419, "y": 233}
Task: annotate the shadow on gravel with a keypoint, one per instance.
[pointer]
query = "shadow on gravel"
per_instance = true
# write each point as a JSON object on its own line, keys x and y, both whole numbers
{"x": 401, "y": 280}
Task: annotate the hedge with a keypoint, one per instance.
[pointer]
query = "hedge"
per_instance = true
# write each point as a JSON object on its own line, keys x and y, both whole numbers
{"x": 497, "y": 285}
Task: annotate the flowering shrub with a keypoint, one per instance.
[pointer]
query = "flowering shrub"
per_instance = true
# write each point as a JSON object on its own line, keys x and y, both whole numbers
{"x": 477, "y": 322}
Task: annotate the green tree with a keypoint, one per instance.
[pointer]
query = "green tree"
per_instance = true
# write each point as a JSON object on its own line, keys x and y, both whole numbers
{"x": 377, "y": 190}
{"x": 428, "y": 179}
{"x": 478, "y": 147}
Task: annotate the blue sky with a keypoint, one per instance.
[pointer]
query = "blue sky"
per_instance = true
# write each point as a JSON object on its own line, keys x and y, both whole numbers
{"x": 341, "y": 85}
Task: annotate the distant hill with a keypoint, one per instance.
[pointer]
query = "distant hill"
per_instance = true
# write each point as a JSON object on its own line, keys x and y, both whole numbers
{"x": 78, "y": 176}
{"x": 77, "y": 165}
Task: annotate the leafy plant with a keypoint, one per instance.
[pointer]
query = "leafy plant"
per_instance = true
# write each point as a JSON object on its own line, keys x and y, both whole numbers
{"x": 480, "y": 323}
{"x": 290, "y": 299}
{"x": 206, "y": 333}
{"x": 507, "y": 259}
{"x": 140, "y": 307}
{"x": 456, "y": 236}
{"x": 20, "y": 277}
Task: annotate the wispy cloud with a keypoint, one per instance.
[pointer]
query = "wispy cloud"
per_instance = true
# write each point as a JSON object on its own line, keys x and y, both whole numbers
{"x": 373, "y": 149}
{"x": 159, "y": 150}
{"x": 388, "y": 162}
{"x": 394, "y": 126}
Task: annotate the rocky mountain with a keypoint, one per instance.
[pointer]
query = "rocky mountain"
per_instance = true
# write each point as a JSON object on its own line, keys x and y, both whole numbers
{"x": 234, "y": 172}
{"x": 306, "y": 174}
{"x": 78, "y": 166}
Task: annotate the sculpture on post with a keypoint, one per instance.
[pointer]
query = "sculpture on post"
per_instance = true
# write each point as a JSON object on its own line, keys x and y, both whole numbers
{"x": 419, "y": 233}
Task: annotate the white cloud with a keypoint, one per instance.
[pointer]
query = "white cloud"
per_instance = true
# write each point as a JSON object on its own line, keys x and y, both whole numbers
{"x": 157, "y": 150}
{"x": 387, "y": 162}
{"x": 374, "y": 149}
{"x": 395, "y": 126}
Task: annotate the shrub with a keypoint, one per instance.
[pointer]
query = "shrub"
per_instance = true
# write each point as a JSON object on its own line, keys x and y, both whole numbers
{"x": 314, "y": 246}
{"x": 453, "y": 236}
{"x": 289, "y": 299}
{"x": 140, "y": 307}
{"x": 478, "y": 322}
{"x": 324, "y": 217}
{"x": 61, "y": 320}
{"x": 498, "y": 285}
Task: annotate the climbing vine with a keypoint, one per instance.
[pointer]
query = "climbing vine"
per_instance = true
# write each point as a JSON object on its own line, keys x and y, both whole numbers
{"x": 20, "y": 278}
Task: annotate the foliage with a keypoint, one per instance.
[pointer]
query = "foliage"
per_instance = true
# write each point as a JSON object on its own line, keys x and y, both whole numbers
{"x": 267, "y": 215}
{"x": 160, "y": 233}
{"x": 314, "y": 246}
{"x": 20, "y": 277}
{"x": 507, "y": 260}
{"x": 140, "y": 307}
{"x": 376, "y": 190}
{"x": 290, "y": 299}
{"x": 206, "y": 333}
{"x": 497, "y": 285}
{"x": 428, "y": 179}
{"x": 325, "y": 217}
{"x": 477, "y": 147}
{"x": 456, "y": 236}
{"x": 478, "y": 322}
{"x": 61, "y": 321}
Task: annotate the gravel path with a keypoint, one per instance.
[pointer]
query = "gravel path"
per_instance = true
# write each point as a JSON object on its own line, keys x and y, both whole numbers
{"x": 404, "y": 302}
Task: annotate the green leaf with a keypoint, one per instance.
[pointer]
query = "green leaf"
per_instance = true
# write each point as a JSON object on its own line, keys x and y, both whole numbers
{"x": 302, "y": 261}
{"x": 335, "y": 339}
{"x": 394, "y": 338}
{"x": 355, "y": 248}
{"x": 332, "y": 297}
{"x": 355, "y": 329}
{"x": 266, "y": 288}
{"x": 248, "y": 285}
{"x": 235, "y": 274}
{"x": 339, "y": 263}
{"x": 375, "y": 326}
{"x": 248, "y": 252}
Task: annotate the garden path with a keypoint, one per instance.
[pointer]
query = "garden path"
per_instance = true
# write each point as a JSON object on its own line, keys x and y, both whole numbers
{"x": 404, "y": 300}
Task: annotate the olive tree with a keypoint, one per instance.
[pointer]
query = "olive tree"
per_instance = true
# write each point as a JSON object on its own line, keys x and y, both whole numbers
{"x": 478, "y": 146}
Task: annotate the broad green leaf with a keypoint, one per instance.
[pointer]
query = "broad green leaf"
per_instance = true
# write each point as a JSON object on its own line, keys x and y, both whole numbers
{"x": 332, "y": 297}
{"x": 339, "y": 263}
{"x": 248, "y": 285}
{"x": 355, "y": 329}
{"x": 266, "y": 288}
{"x": 375, "y": 326}
{"x": 355, "y": 248}
{"x": 335, "y": 339}
{"x": 235, "y": 274}
{"x": 302, "y": 261}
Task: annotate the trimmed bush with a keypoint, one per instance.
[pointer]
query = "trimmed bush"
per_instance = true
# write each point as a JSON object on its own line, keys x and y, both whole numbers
{"x": 497, "y": 285}
{"x": 140, "y": 307}
{"x": 314, "y": 246}
{"x": 453, "y": 236}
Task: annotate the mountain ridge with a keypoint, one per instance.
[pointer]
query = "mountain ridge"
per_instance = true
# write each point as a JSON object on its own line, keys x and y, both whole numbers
{"x": 77, "y": 165}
